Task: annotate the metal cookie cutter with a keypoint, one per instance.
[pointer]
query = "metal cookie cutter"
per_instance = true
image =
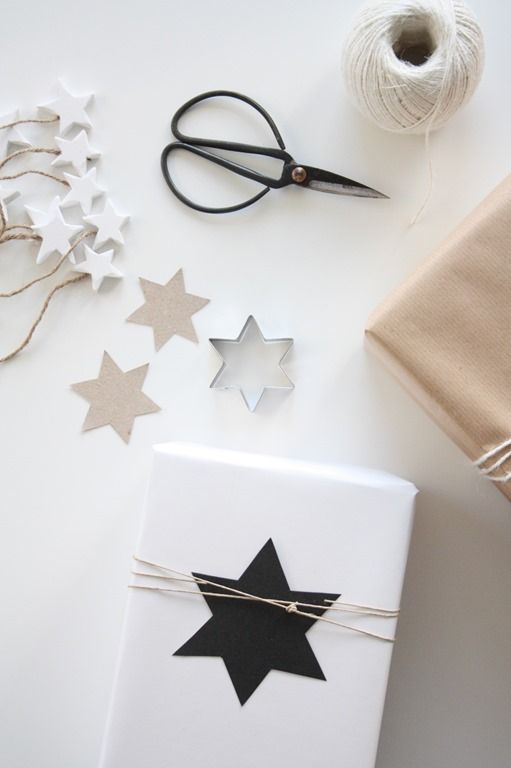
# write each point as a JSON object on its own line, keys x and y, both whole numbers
{"x": 251, "y": 363}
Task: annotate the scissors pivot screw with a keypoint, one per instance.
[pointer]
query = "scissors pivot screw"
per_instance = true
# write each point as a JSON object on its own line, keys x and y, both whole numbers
{"x": 299, "y": 174}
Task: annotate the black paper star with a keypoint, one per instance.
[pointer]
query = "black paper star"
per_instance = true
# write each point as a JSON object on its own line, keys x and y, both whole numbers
{"x": 253, "y": 638}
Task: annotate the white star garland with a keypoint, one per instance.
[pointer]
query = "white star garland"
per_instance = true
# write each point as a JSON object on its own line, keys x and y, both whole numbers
{"x": 57, "y": 234}
{"x": 59, "y": 225}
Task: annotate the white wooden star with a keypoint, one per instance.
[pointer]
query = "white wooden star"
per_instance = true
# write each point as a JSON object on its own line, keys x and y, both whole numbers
{"x": 83, "y": 190}
{"x": 98, "y": 266}
{"x": 69, "y": 108}
{"x": 37, "y": 217}
{"x": 108, "y": 223}
{"x": 11, "y": 139}
{"x": 56, "y": 234}
{"x": 6, "y": 196}
{"x": 75, "y": 152}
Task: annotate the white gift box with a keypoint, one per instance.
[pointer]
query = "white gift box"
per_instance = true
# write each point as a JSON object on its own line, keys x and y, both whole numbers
{"x": 335, "y": 529}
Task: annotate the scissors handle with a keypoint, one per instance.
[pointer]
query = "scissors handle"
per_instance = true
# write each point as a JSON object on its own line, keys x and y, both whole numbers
{"x": 292, "y": 173}
{"x": 201, "y": 146}
{"x": 228, "y": 164}
{"x": 230, "y": 145}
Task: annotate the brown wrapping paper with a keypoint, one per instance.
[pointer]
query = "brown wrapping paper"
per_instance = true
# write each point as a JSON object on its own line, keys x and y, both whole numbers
{"x": 446, "y": 332}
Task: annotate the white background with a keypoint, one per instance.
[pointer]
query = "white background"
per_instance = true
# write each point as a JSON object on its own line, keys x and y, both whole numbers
{"x": 309, "y": 266}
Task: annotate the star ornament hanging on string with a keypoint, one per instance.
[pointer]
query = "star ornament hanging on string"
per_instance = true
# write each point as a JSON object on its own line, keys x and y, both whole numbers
{"x": 98, "y": 266}
{"x": 70, "y": 109}
{"x": 168, "y": 310}
{"x": 251, "y": 363}
{"x": 254, "y": 638}
{"x": 55, "y": 232}
{"x": 108, "y": 224}
{"x": 115, "y": 398}
{"x": 83, "y": 190}
{"x": 75, "y": 152}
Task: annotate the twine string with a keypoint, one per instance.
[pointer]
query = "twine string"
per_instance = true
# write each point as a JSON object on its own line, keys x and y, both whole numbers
{"x": 27, "y": 339}
{"x": 429, "y": 119}
{"x": 29, "y": 150}
{"x": 22, "y": 232}
{"x": 18, "y": 226}
{"x": 16, "y": 291}
{"x": 3, "y": 218}
{"x": 294, "y": 607}
{"x": 501, "y": 460}
{"x": 68, "y": 281}
{"x": 493, "y": 452}
{"x": 37, "y": 173}
{"x": 402, "y": 95}
{"x": 335, "y": 605}
{"x": 496, "y": 464}
{"x": 7, "y": 228}
{"x": 24, "y": 121}
{"x": 18, "y": 236}
{"x": 33, "y": 150}
{"x": 407, "y": 96}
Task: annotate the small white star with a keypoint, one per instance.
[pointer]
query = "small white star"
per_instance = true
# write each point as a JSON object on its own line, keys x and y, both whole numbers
{"x": 39, "y": 218}
{"x": 11, "y": 138}
{"x": 98, "y": 266}
{"x": 6, "y": 196}
{"x": 109, "y": 224}
{"x": 75, "y": 152}
{"x": 83, "y": 190}
{"x": 55, "y": 232}
{"x": 69, "y": 108}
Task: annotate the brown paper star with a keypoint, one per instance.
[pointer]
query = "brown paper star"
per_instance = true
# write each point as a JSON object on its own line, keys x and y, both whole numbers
{"x": 115, "y": 398}
{"x": 168, "y": 309}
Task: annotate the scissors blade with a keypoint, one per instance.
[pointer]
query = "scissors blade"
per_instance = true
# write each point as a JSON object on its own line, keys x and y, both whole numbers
{"x": 324, "y": 181}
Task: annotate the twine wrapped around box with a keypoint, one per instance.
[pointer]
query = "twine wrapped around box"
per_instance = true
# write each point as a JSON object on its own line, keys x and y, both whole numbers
{"x": 446, "y": 334}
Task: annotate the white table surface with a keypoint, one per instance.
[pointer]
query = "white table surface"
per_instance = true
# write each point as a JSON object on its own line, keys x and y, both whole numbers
{"x": 310, "y": 266}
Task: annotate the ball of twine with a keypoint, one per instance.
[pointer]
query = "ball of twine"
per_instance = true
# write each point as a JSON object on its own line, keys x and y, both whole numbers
{"x": 411, "y": 64}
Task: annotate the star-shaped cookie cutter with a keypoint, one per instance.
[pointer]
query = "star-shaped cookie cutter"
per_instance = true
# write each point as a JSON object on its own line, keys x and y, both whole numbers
{"x": 251, "y": 333}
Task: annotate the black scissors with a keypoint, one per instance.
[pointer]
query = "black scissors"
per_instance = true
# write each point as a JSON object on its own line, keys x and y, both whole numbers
{"x": 292, "y": 172}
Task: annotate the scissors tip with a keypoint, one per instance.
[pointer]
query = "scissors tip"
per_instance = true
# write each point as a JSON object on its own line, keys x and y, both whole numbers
{"x": 375, "y": 193}
{"x": 339, "y": 185}
{"x": 363, "y": 191}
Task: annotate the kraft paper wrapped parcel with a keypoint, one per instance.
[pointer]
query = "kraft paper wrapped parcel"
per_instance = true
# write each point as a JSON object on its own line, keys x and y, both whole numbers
{"x": 446, "y": 334}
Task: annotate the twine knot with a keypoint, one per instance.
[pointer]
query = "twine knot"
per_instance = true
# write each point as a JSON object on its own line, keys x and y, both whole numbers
{"x": 292, "y": 608}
